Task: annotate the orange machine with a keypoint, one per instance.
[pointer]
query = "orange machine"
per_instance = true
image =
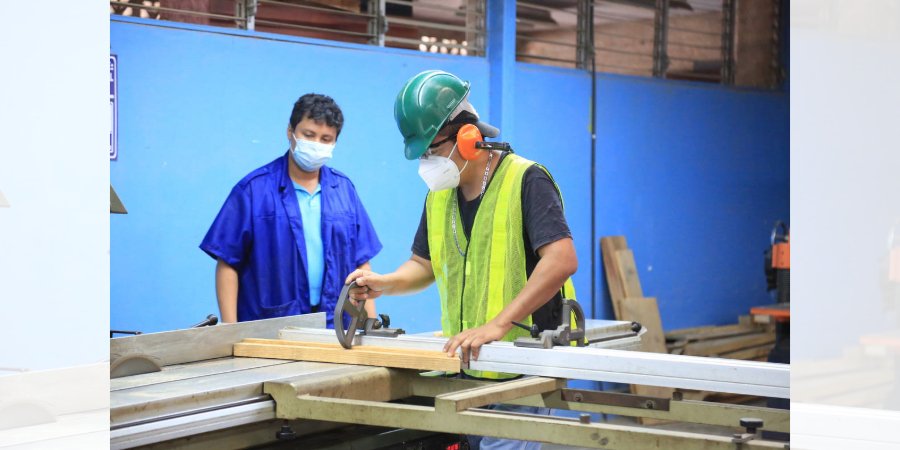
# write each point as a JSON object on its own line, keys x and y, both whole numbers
{"x": 781, "y": 253}
{"x": 778, "y": 262}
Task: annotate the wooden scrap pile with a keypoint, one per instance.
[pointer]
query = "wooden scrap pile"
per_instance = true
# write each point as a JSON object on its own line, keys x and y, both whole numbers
{"x": 743, "y": 340}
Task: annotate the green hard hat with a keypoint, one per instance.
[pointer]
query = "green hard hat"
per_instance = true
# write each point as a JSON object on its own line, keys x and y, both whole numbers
{"x": 424, "y": 105}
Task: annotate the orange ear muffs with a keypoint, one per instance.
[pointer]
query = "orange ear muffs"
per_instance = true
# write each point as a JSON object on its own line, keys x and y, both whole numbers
{"x": 466, "y": 139}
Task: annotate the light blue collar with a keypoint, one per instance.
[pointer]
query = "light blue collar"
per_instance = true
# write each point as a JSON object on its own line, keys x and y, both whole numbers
{"x": 298, "y": 187}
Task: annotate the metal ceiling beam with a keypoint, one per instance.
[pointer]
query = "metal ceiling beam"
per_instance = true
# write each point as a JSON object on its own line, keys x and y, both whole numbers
{"x": 660, "y": 38}
{"x": 729, "y": 11}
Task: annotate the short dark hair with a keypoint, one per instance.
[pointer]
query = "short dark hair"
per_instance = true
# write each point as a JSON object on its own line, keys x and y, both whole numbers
{"x": 320, "y": 108}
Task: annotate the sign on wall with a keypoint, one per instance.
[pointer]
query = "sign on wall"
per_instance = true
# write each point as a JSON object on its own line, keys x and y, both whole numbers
{"x": 113, "y": 109}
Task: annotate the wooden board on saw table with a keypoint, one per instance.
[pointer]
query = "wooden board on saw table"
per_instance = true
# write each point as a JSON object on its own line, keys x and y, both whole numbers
{"x": 333, "y": 353}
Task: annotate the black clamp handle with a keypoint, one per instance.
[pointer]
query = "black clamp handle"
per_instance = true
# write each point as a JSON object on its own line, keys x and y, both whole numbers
{"x": 210, "y": 321}
{"x": 358, "y": 316}
{"x": 533, "y": 330}
{"x": 780, "y": 232}
{"x": 359, "y": 319}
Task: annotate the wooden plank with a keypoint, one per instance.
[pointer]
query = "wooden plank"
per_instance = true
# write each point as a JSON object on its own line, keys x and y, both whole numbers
{"x": 725, "y": 345}
{"x": 751, "y": 353}
{"x": 496, "y": 393}
{"x": 694, "y": 395}
{"x": 676, "y": 348}
{"x": 334, "y": 353}
{"x": 608, "y": 246}
{"x": 718, "y": 332}
{"x": 631, "y": 282}
{"x": 646, "y": 312}
{"x": 676, "y": 334}
{"x": 697, "y": 333}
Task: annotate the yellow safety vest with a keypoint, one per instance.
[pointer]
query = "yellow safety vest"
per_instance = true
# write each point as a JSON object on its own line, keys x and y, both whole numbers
{"x": 476, "y": 287}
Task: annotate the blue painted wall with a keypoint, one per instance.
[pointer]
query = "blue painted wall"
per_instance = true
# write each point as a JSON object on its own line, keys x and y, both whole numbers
{"x": 553, "y": 113}
{"x": 693, "y": 174}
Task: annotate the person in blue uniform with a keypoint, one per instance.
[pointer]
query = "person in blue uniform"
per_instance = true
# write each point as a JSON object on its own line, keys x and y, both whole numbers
{"x": 290, "y": 231}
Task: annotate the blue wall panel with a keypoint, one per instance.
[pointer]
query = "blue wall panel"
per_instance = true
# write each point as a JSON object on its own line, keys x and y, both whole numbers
{"x": 553, "y": 114}
{"x": 694, "y": 176}
{"x": 199, "y": 110}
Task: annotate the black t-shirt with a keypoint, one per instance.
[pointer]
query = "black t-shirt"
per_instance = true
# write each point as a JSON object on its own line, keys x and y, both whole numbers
{"x": 543, "y": 223}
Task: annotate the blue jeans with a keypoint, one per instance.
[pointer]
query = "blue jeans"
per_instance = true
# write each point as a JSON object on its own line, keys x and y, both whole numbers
{"x": 492, "y": 443}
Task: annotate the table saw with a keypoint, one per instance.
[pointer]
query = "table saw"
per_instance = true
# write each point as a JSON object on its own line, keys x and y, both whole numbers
{"x": 185, "y": 389}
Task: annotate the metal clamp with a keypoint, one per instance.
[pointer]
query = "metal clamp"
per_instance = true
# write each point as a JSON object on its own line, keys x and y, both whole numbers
{"x": 359, "y": 319}
{"x": 565, "y": 334}
{"x": 780, "y": 232}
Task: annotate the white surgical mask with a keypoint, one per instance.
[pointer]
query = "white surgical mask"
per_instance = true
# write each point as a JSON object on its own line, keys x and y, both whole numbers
{"x": 440, "y": 172}
{"x": 309, "y": 155}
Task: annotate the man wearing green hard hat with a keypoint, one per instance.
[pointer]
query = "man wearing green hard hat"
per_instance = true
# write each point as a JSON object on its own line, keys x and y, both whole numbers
{"x": 492, "y": 235}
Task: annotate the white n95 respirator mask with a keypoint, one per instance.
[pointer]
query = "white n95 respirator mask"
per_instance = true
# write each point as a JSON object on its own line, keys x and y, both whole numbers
{"x": 440, "y": 172}
{"x": 309, "y": 155}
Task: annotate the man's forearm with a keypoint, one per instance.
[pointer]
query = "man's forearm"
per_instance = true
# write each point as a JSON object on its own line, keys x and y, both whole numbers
{"x": 226, "y": 291}
{"x": 412, "y": 276}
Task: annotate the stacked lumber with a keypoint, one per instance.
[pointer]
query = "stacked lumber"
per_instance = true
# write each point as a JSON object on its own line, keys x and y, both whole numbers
{"x": 744, "y": 340}
{"x": 630, "y": 304}
{"x": 737, "y": 341}
{"x": 627, "y": 295}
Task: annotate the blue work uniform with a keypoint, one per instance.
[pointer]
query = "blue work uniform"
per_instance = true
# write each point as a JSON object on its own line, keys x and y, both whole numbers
{"x": 259, "y": 232}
